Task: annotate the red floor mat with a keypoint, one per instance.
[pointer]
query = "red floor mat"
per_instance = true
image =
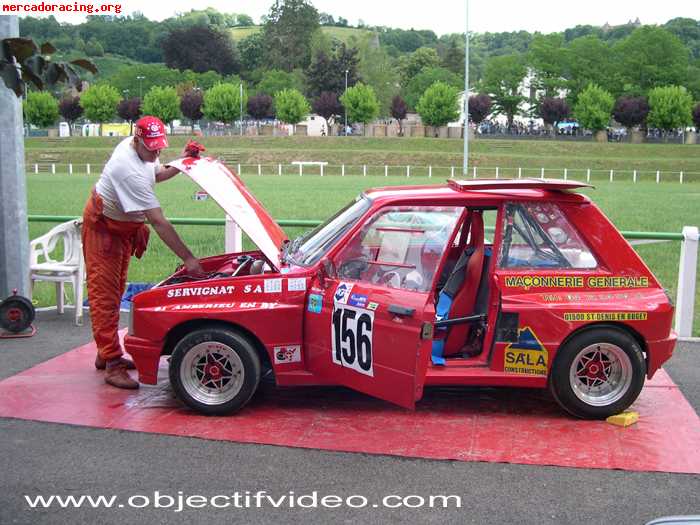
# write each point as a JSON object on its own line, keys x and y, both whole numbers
{"x": 497, "y": 425}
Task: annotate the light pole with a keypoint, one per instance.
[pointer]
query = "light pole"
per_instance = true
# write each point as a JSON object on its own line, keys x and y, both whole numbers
{"x": 241, "y": 97}
{"x": 465, "y": 165}
{"x": 140, "y": 78}
{"x": 345, "y": 107}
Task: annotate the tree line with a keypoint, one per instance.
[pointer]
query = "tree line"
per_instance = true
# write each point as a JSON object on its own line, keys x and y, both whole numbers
{"x": 291, "y": 52}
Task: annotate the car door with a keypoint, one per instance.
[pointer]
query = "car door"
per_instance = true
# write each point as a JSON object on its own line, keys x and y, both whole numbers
{"x": 368, "y": 320}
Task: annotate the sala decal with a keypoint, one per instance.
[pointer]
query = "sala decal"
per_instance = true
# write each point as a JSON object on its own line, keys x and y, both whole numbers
{"x": 527, "y": 355}
{"x": 351, "y": 338}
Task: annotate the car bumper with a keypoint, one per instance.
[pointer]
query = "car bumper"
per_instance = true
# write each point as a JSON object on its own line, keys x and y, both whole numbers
{"x": 659, "y": 352}
{"x": 146, "y": 356}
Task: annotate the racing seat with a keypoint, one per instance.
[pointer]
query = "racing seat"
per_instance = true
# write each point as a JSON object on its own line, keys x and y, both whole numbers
{"x": 458, "y": 297}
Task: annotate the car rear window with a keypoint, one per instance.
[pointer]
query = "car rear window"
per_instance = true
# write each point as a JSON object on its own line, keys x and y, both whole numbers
{"x": 538, "y": 235}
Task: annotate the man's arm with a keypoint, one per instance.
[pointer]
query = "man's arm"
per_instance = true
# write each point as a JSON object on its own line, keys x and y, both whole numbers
{"x": 172, "y": 240}
{"x": 165, "y": 173}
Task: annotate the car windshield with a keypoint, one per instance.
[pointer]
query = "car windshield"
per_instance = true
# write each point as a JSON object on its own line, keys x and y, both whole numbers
{"x": 310, "y": 247}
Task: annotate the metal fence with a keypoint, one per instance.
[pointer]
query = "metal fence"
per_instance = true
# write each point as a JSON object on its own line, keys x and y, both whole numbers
{"x": 322, "y": 169}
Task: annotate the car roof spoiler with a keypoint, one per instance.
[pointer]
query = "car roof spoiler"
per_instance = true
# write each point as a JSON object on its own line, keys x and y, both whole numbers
{"x": 516, "y": 184}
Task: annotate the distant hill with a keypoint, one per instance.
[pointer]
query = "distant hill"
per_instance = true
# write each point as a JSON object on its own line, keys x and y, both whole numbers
{"x": 344, "y": 34}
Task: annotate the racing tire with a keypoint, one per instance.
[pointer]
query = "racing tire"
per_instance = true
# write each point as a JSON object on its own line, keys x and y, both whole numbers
{"x": 214, "y": 370}
{"x": 598, "y": 373}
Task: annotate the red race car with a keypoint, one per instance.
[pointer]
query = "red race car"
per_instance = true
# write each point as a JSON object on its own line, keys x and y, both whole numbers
{"x": 518, "y": 283}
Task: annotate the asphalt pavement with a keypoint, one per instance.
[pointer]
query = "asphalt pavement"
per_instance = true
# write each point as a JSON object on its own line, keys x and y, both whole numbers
{"x": 45, "y": 458}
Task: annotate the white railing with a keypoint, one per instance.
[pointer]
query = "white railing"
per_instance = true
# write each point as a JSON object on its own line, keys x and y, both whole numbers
{"x": 317, "y": 168}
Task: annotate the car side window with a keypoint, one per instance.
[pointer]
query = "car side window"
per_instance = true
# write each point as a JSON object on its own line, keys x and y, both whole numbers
{"x": 538, "y": 235}
{"x": 399, "y": 247}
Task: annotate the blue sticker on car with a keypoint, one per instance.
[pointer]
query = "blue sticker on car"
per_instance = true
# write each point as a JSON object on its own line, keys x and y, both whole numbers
{"x": 315, "y": 303}
{"x": 358, "y": 300}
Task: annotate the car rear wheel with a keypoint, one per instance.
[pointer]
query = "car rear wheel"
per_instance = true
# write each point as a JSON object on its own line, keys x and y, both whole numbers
{"x": 214, "y": 370}
{"x": 598, "y": 373}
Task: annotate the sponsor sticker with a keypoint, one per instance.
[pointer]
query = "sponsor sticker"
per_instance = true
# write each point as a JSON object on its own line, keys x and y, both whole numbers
{"x": 287, "y": 354}
{"x": 372, "y": 306}
{"x": 342, "y": 292}
{"x": 527, "y": 356}
{"x": 273, "y": 285}
{"x": 202, "y": 290}
{"x": 358, "y": 300}
{"x": 315, "y": 303}
{"x": 605, "y": 316}
{"x": 574, "y": 281}
{"x": 296, "y": 284}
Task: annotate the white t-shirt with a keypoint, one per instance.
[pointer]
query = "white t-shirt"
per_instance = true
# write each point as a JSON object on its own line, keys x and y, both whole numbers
{"x": 126, "y": 184}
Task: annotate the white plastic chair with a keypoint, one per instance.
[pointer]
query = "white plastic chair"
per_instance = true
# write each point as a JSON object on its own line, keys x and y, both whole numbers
{"x": 69, "y": 270}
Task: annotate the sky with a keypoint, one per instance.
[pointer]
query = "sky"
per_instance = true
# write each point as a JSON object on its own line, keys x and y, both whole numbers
{"x": 448, "y": 16}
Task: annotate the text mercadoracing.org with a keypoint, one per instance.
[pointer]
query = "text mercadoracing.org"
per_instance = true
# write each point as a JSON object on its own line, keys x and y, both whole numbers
{"x": 241, "y": 500}
{"x": 80, "y": 8}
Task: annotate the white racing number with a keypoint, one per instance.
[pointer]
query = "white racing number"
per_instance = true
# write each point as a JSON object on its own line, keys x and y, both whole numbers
{"x": 351, "y": 338}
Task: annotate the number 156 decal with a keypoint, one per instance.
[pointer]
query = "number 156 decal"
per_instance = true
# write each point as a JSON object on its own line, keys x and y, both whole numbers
{"x": 351, "y": 339}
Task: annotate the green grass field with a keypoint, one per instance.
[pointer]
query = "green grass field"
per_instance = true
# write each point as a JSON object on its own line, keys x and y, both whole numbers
{"x": 645, "y": 206}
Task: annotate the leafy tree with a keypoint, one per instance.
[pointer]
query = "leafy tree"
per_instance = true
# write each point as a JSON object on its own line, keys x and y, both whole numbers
{"x": 100, "y": 103}
{"x": 222, "y": 103}
{"x": 688, "y": 31}
{"x": 244, "y": 20}
{"x": 70, "y": 109}
{"x": 589, "y": 60}
{"x": 361, "y": 103}
{"x": 291, "y": 106}
{"x": 479, "y": 108}
{"x": 93, "y": 48}
{"x": 670, "y": 108}
{"x": 502, "y": 78}
{"x": 129, "y": 110}
{"x": 631, "y": 111}
{"x": 409, "y": 66}
{"x": 191, "y": 105}
{"x": 696, "y": 117}
{"x": 651, "y": 57}
{"x": 438, "y": 105}
{"x": 426, "y": 78}
{"x": 287, "y": 34}
{"x": 200, "y": 49}
{"x": 275, "y": 80}
{"x": 328, "y": 106}
{"x": 553, "y": 110}
{"x": 454, "y": 58}
{"x": 260, "y": 106}
{"x": 251, "y": 50}
{"x": 546, "y": 58}
{"x": 398, "y": 111}
{"x": 41, "y": 109}
{"x": 406, "y": 41}
{"x": 593, "y": 108}
{"x": 376, "y": 69}
{"x": 327, "y": 73}
{"x": 162, "y": 102}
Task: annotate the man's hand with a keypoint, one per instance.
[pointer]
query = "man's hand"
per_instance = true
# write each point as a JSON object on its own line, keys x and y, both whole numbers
{"x": 194, "y": 268}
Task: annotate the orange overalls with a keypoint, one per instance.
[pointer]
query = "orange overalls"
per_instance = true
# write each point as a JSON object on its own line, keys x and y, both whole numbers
{"x": 107, "y": 246}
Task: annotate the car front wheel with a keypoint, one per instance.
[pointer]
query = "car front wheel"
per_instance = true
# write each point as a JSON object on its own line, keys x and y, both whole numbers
{"x": 214, "y": 370}
{"x": 598, "y": 373}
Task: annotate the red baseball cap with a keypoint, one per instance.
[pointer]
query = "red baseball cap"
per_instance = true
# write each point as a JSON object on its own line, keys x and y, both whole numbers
{"x": 152, "y": 131}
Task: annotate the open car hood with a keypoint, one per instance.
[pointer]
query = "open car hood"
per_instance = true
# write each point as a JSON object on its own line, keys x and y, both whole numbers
{"x": 230, "y": 193}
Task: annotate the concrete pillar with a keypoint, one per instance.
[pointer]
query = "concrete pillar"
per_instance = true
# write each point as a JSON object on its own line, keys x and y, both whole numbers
{"x": 14, "y": 232}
